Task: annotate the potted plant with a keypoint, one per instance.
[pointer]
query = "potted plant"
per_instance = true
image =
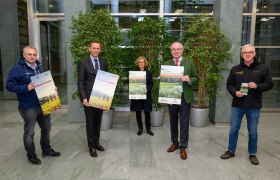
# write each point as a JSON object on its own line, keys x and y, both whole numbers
{"x": 99, "y": 25}
{"x": 150, "y": 38}
{"x": 209, "y": 48}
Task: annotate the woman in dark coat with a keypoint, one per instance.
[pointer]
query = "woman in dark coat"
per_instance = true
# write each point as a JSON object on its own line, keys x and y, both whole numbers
{"x": 143, "y": 104}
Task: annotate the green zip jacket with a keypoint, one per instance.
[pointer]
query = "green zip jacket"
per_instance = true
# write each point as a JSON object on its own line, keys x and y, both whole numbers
{"x": 190, "y": 70}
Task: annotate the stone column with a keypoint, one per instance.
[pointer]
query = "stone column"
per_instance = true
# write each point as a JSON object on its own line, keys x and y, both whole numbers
{"x": 229, "y": 16}
{"x": 71, "y": 9}
{"x": 9, "y": 40}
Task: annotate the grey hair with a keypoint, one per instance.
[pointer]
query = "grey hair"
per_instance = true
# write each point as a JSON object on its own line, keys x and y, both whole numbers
{"x": 248, "y": 45}
{"x": 29, "y": 47}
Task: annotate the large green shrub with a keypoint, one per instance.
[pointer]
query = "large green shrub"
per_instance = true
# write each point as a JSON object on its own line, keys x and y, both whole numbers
{"x": 209, "y": 48}
{"x": 99, "y": 25}
{"x": 150, "y": 38}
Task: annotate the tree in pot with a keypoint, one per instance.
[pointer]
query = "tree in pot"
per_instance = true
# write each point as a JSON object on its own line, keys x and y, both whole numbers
{"x": 100, "y": 26}
{"x": 150, "y": 38}
{"x": 209, "y": 48}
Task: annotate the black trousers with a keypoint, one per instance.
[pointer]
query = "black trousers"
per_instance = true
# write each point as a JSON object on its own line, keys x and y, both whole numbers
{"x": 182, "y": 111}
{"x": 93, "y": 125}
{"x": 147, "y": 120}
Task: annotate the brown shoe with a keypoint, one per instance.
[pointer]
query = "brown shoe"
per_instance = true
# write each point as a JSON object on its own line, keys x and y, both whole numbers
{"x": 227, "y": 155}
{"x": 92, "y": 152}
{"x": 183, "y": 154}
{"x": 254, "y": 159}
{"x": 99, "y": 148}
{"x": 172, "y": 148}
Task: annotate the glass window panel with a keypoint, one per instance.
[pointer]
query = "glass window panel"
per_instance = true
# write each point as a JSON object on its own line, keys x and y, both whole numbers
{"x": 125, "y": 6}
{"x": 268, "y": 6}
{"x": 188, "y": 6}
{"x": 267, "y": 31}
{"x": 246, "y": 29}
{"x": 247, "y": 6}
{"x": 53, "y": 54}
{"x": 271, "y": 58}
{"x": 49, "y": 6}
{"x": 271, "y": 98}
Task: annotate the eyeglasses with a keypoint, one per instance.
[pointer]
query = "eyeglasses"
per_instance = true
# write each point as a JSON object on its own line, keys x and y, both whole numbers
{"x": 178, "y": 49}
{"x": 32, "y": 54}
{"x": 247, "y": 52}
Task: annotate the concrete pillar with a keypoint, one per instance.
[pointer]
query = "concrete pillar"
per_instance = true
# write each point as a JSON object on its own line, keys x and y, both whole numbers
{"x": 229, "y": 16}
{"x": 9, "y": 40}
{"x": 71, "y": 9}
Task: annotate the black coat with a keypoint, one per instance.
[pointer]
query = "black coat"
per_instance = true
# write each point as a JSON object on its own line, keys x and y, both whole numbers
{"x": 257, "y": 73}
{"x": 86, "y": 76}
{"x": 144, "y": 104}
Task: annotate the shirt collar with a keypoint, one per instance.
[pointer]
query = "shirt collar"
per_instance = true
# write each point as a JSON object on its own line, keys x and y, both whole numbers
{"x": 33, "y": 67}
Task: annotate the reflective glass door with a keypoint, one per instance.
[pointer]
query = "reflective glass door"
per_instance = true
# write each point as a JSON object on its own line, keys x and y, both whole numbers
{"x": 53, "y": 54}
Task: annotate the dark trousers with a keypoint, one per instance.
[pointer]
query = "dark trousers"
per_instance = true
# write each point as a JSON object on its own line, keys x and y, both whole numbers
{"x": 182, "y": 111}
{"x": 147, "y": 120}
{"x": 30, "y": 117}
{"x": 93, "y": 124}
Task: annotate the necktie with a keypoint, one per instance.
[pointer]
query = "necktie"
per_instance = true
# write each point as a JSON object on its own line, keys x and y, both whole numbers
{"x": 177, "y": 62}
{"x": 96, "y": 64}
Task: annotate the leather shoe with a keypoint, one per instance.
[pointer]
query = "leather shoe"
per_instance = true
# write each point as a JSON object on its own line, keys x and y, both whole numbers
{"x": 254, "y": 159}
{"x": 183, "y": 154}
{"x": 34, "y": 160}
{"x": 92, "y": 152}
{"x": 99, "y": 148}
{"x": 140, "y": 132}
{"x": 227, "y": 155}
{"x": 50, "y": 153}
{"x": 150, "y": 132}
{"x": 172, "y": 148}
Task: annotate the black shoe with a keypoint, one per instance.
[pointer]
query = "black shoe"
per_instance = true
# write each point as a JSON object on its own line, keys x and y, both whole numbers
{"x": 99, "y": 148}
{"x": 50, "y": 153}
{"x": 92, "y": 152}
{"x": 254, "y": 159}
{"x": 227, "y": 155}
{"x": 150, "y": 132}
{"x": 34, "y": 160}
{"x": 140, "y": 132}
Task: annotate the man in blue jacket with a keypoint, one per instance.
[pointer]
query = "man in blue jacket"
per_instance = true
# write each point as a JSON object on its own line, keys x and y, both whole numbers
{"x": 245, "y": 83}
{"x": 29, "y": 108}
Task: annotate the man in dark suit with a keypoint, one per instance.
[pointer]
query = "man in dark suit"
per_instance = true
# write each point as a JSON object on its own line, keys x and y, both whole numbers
{"x": 87, "y": 70}
{"x": 189, "y": 79}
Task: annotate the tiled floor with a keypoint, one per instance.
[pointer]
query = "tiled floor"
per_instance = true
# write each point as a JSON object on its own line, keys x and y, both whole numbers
{"x": 129, "y": 156}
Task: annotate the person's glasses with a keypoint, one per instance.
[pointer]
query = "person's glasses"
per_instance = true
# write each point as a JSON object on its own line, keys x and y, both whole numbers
{"x": 178, "y": 49}
{"x": 32, "y": 55}
{"x": 248, "y": 52}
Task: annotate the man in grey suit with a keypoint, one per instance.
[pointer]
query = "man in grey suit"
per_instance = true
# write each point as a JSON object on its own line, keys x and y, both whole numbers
{"x": 87, "y": 70}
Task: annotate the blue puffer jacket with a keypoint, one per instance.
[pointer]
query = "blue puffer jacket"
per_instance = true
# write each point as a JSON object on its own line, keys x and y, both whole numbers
{"x": 18, "y": 80}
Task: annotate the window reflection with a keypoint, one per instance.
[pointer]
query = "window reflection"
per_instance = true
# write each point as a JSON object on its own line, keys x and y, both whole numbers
{"x": 48, "y": 6}
{"x": 197, "y": 6}
{"x": 247, "y": 6}
{"x": 268, "y": 6}
{"x": 267, "y": 31}
{"x": 246, "y": 29}
{"x": 124, "y": 6}
{"x": 270, "y": 57}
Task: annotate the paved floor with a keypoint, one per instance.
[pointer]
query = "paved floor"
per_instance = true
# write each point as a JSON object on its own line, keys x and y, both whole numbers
{"x": 129, "y": 156}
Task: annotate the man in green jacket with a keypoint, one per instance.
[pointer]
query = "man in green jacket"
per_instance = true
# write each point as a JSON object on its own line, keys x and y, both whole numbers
{"x": 189, "y": 79}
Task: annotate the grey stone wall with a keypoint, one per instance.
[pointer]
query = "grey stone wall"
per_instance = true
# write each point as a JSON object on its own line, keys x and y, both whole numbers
{"x": 229, "y": 16}
{"x": 75, "y": 110}
{"x": 9, "y": 40}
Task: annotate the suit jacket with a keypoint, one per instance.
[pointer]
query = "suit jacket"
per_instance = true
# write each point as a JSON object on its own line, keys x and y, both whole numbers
{"x": 190, "y": 70}
{"x": 86, "y": 76}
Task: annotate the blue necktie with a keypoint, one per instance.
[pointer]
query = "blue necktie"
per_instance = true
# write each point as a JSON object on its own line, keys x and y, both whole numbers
{"x": 96, "y": 64}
